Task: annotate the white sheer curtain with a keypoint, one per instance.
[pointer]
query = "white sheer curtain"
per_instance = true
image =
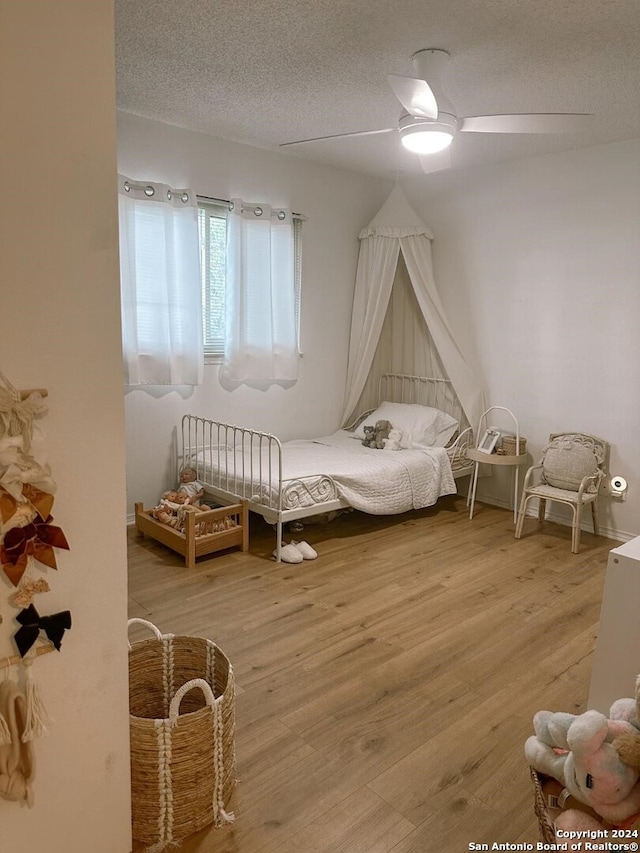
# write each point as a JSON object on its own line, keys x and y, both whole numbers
{"x": 261, "y": 342}
{"x": 160, "y": 284}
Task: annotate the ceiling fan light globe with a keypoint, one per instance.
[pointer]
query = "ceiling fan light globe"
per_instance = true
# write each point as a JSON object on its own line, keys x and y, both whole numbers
{"x": 422, "y": 140}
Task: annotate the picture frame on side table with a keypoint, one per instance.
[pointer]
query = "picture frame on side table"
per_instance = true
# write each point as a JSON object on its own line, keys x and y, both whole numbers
{"x": 489, "y": 440}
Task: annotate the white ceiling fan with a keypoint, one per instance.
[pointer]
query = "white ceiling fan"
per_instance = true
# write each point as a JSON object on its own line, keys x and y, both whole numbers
{"x": 428, "y": 123}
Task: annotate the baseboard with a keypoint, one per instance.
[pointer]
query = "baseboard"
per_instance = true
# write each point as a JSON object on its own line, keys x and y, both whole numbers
{"x": 557, "y": 518}
{"x": 607, "y": 532}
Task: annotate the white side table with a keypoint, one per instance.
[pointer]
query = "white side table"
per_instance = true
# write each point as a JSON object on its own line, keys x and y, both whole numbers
{"x": 480, "y": 458}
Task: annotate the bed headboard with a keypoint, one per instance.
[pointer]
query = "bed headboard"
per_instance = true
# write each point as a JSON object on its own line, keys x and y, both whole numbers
{"x": 426, "y": 390}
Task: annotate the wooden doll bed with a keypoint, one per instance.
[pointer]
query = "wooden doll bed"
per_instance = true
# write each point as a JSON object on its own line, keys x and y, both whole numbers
{"x": 201, "y": 531}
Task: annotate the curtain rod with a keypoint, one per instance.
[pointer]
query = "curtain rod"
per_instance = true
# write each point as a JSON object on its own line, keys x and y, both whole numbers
{"x": 149, "y": 189}
{"x": 228, "y": 201}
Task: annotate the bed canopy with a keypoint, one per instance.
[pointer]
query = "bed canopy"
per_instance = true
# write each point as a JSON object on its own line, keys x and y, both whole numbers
{"x": 394, "y": 241}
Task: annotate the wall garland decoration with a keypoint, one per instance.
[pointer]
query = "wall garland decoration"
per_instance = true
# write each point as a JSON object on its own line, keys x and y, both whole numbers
{"x": 27, "y": 541}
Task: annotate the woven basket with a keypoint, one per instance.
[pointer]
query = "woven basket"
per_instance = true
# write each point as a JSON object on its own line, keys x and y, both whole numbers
{"x": 508, "y": 445}
{"x": 545, "y": 822}
{"x": 182, "y": 738}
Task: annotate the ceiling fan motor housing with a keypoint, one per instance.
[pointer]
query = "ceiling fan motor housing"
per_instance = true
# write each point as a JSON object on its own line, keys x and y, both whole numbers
{"x": 430, "y": 62}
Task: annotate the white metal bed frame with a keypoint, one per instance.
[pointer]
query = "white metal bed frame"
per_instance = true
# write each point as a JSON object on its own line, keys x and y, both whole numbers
{"x": 259, "y": 473}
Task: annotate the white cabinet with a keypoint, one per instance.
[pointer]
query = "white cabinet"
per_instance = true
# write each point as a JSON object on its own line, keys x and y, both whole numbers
{"x": 616, "y": 661}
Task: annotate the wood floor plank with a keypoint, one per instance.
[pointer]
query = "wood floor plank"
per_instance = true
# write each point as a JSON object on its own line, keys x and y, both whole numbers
{"x": 481, "y": 751}
{"x": 462, "y": 819}
{"x": 385, "y": 690}
{"x": 362, "y": 823}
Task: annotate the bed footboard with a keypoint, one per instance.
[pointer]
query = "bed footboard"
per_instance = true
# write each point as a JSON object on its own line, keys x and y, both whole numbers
{"x": 233, "y": 462}
{"x": 236, "y": 464}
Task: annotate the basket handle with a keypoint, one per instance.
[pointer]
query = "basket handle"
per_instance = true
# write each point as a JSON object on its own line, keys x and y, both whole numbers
{"x": 174, "y": 708}
{"x": 149, "y": 625}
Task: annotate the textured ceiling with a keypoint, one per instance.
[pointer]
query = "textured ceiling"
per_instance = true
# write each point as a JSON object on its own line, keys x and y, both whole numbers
{"x": 265, "y": 72}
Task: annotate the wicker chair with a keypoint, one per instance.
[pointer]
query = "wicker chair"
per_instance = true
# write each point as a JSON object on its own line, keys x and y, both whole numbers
{"x": 570, "y": 472}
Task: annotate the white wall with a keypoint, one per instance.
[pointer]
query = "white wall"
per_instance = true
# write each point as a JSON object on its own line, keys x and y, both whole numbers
{"x": 61, "y": 330}
{"x": 535, "y": 261}
{"x": 338, "y": 204}
{"x": 538, "y": 265}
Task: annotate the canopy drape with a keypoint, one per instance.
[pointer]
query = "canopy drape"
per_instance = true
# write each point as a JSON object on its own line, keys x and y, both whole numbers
{"x": 397, "y": 228}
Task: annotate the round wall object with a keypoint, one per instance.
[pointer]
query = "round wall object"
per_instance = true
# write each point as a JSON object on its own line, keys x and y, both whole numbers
{"x": 618, "y": 484}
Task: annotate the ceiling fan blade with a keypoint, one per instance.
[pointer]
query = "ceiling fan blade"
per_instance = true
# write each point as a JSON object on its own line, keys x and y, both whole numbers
{"x": 415, "y": 95}
{"x": 527, "y": 123}
{"x": 340, "y": 136}
{"x": 435, "y": 162}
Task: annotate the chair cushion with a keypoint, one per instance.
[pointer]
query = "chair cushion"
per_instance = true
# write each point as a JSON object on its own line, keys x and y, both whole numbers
{"x": 565, "y": 465}
{"x": 554, "y": 494}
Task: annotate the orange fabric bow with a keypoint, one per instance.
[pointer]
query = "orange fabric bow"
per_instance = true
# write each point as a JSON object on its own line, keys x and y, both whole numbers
{"x": 41, "y": 501}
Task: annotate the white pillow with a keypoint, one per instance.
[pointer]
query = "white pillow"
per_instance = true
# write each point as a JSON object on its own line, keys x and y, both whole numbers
{"x": 422, "y": 426}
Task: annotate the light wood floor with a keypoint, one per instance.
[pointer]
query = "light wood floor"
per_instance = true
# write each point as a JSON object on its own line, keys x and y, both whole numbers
{"x": 385, "y": 690}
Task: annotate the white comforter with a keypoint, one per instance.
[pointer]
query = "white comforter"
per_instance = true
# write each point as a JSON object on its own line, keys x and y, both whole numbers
{"x": 378, "y": 482}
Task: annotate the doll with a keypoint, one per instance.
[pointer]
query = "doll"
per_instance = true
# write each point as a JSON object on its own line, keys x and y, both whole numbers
{"x": 190, "y": 486}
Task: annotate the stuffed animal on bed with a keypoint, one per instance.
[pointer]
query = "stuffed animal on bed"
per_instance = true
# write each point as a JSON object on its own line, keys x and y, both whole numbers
{"x": 393, "y": 442}
{"x": 369, "y": 439}
{"x": 382, "y": 430}
{"x": 374, "y": 436}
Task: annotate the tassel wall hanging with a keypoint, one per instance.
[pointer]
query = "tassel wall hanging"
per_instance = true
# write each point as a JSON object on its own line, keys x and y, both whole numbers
{"x": 27, "y": 542}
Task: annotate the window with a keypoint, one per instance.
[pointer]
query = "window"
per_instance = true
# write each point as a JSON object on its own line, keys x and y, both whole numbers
{"x": 212, "y": 225}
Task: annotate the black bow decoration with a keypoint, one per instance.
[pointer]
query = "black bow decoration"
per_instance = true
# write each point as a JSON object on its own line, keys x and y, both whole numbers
{"x": 32, "y": 623}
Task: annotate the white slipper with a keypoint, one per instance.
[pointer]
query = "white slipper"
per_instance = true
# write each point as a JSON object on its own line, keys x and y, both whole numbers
{"x": 289, "y": 554}
{"x": 305, "y": 549}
